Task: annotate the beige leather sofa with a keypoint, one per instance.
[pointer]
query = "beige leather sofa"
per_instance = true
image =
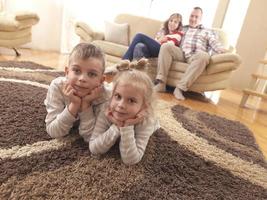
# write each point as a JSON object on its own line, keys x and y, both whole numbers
{"x": 215, "y": 77}
{"x": 15, "y": 28}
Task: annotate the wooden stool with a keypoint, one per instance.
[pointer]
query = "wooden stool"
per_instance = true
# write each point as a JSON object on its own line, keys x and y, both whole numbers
{"x": 256, "y": 77}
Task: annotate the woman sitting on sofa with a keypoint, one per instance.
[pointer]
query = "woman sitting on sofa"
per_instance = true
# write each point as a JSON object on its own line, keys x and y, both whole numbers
{"x": 143, "y": 47}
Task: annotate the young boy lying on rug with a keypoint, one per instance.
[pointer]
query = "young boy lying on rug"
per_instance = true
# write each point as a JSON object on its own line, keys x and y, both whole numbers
{"x": 128, "y": 116}
{"x": 78, "y": 96}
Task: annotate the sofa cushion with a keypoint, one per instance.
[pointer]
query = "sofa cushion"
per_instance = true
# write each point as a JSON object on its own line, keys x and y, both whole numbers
{"x": 139, "y": 24}
{"x": 117, "y": 33}
{"x": 12, "y": 22}
{"x": 222, "y": 37}
{"x": 22, "y": 15}
{"x": 111, "y": 48}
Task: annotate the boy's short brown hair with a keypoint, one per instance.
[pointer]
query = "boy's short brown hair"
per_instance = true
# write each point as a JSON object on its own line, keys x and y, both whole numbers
{"x": 84, "y": 51}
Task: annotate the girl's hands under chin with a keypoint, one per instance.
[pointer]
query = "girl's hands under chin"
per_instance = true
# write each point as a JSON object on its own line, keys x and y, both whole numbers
{"x": 111, "y": 118}
{"x": 138, "y": 119}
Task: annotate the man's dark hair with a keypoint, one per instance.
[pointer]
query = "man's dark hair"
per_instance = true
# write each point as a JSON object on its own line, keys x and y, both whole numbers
{"x": 198, "y": 8}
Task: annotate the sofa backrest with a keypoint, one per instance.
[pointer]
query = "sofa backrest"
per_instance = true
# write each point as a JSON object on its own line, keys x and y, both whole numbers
{"x": 222, "y": 36}
{"x": 138, "y": 24}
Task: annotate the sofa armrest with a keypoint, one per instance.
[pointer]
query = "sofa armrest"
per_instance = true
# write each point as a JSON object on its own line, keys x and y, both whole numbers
{"x": 23, "y": 15}
{"x": 86, "y": 33}
{"x": 18, "y": 20}
{"x": 85, "y": 27}
{"x": 223, "y": 62}
{"x": 226, "y": 57}
{"x": 99, "y": 36}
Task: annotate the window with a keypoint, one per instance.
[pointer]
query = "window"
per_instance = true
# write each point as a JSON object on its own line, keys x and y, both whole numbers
{"x": 234, "y": 18}
{"x": 162, "y": 9}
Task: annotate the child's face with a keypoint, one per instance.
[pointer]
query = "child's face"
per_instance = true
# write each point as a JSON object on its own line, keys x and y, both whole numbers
{"x": 84, "y": 75}
{"x": 127, "y": 101}
{"x": 173, "y": 23}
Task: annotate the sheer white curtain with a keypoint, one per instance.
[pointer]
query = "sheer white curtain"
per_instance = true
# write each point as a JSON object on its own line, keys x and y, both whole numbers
{"x": 162, "y": 9}
{"x": 2, "y": 5}
{"x": 68, "y": 36}
{"x": 233, "y": 20}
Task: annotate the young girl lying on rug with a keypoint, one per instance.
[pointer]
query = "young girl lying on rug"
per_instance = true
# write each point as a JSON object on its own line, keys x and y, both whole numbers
{"x": 128, "y": 116}
{"x": 76, "y": 98}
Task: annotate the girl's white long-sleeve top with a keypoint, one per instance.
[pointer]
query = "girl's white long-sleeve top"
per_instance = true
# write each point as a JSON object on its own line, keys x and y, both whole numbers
{"x": 133, "y": 139}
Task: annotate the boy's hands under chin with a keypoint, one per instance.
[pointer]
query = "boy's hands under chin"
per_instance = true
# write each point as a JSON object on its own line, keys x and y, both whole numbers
{"x": 75, "y": 101}
{"x": 91, "y": 96}
{"x": 139, "y": 118}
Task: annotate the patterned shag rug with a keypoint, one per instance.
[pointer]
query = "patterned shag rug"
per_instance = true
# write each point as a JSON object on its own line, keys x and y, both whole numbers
{"x": 194, "y": 155}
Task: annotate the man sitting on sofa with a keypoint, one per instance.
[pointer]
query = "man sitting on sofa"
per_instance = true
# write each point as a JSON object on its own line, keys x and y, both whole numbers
{"x": 197, "y": 44}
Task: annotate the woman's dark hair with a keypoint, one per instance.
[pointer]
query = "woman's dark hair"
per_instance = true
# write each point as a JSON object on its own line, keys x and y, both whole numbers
{"x": 165, "y": 24}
